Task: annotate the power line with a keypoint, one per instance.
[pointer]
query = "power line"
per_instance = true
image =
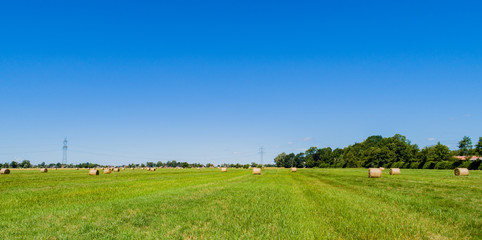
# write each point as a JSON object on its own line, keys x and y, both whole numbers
{"x": 261, "y": 152}
{"x": 64, "y": 152}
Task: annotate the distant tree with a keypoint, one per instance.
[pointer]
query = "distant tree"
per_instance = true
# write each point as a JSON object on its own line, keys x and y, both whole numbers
{"x": 478, "y": 147}
{"x": 280, "y": 160}
{"x": 42, "y": 164}
{"x": 25, "y": 164}
{"x": 465, "y": 146}
{"x": 291, "y": 160}
{"x": 14, "y": 164}
{"x": 325, "y": 158}
{"x": 311, "y": 157}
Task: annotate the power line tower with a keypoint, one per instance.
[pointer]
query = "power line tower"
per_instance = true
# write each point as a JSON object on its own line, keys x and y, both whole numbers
{"x": 64, "y": 154}
{"x": 261, "y": 153}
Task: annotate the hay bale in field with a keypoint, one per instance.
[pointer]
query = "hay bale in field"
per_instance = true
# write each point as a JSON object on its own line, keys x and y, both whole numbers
{"x": 461, "y": 172}
{"x": 132, "y": 168}
{"x": 148, "y": 169}
{"x": 224, "y": 169}
{"x": 43, "y": 170}
{"x": 198, "y": 168}
{"x": 394, "y": 171}
{"x": 76, "y": 168}
{"x": 116, "y": 170}
{"x": 93, "y": 172}
{"x": 152, "y": 169}
{"x": 5, "y": 171}
{"x": 107, "y": 171}
{"x": 382, "y": 168}
{"x": 293, "y": 169}
{"x": 256, "y": 171}
{"x": 374, "y": 173}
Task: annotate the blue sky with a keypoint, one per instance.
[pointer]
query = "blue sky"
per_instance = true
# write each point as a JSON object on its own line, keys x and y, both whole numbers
{"x": 213, "y": 81}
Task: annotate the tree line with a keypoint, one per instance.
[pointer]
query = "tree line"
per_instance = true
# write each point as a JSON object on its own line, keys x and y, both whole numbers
{"x": 171, "y": 164}
{"x": 377, "y": 151}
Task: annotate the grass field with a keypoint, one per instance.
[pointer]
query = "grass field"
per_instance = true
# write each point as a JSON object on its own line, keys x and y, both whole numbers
{"x": 209, "y": 204}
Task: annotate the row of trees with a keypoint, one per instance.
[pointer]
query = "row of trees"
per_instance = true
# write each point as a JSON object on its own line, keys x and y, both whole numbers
{"x": 27, "y": 164}
{"x": 377, "y": 151}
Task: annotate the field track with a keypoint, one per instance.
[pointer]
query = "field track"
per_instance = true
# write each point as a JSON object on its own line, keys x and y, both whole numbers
{"x": 209, "y": 204}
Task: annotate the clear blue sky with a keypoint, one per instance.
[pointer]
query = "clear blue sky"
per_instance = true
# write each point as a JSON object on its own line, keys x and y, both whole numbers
{"x": 212, "y": 81}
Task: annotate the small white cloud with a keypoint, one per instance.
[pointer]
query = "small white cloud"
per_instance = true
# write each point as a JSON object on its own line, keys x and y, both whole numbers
{"x": 301, "y": 149}
{"x": 289, "y": 143}
{"x": 431, "y": 139}
{"x": 306, "y": 139}
{"x": 467, "y": 115}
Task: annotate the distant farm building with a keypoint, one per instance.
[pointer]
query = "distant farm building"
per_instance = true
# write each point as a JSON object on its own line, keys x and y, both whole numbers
{"x": 463, "y": 158}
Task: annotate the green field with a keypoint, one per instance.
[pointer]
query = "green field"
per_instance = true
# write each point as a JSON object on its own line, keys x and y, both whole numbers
{"x": 209, "y": 204}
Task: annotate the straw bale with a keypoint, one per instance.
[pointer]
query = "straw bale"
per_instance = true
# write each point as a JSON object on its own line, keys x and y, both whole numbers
{"x": 394, "y": 171}
{"x": 5, "y": 171}
{"x": 382, "y": 168}
{"x": 116, "y": 170}
{"x": 256, "y": 171}
{"x": 461, "y": 172}
{"x": 224, "y": 169}
{"x": 374, "y": 173}
{"x": 293, "y": 169}
{"x": 93, "y": 172}
{"x": 43, "y": 170}
{"x": 107, "y": 171}
{"x": 152, "y": 169}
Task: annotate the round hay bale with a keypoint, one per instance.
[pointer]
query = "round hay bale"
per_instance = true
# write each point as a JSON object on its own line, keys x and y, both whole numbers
{"x": 293, "y": 169}
{"x": 107, "y": 171}
{"x": 132, "y": 168}
{"x": 256, "y": 171}
{"x": 93, "y": 172}
{"x": 224, "y": 169}
{"x": 394, "y": 171}
{"x": 198, "y": 168}
{"x": 148, "y": 169}
{"x": 382, "y": 168}
{"x": 152, "y": 169}
{"x": 461, "y": 172}
{"x": 76, "y": 168}
{"x": 5, "y": 171}
{"x": 374, "y": 173}
{"x": 43, "y": 170}
{"x": 116, "y": 170}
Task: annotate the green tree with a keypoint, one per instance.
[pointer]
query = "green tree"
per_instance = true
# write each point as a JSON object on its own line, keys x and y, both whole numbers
{"x": 311, "y": 157}
{"x": 465, "y": 146}
{"x": 25, "y": 164}
{"x": 478, "y": 147}
{"x": 281, "y": 159}
{"x": 14, "y": 164}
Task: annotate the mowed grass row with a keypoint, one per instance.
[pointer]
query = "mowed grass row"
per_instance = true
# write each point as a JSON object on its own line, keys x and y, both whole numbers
{"x": 209, "y": 204}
